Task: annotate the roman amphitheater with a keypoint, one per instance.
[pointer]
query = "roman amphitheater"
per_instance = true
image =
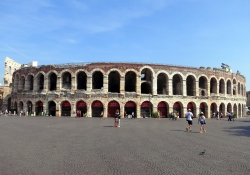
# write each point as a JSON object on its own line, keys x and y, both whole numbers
{"x": 61, "y": 90}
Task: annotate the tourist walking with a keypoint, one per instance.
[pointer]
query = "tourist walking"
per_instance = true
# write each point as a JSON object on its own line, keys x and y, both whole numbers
{"x": 189, "y": 116}
{"x": 133, "y": 115}
{"x": 101, "y": 116}
{"x": 202, "y": 121}
{"x": 117, "y": 118}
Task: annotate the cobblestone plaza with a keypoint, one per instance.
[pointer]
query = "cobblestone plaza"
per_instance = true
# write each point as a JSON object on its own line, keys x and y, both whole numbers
{"x": 63, "y": 145}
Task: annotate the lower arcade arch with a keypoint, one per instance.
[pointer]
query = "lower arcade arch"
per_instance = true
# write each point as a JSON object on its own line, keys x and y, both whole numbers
{"x": 66, "y": 108}
{"x": 29, "y": 107}
{"x": 204, "y": 109}
{"x": 146, "y": 109}
{"x": 52, "y": 108}
{"x": 192, "y": 107}
{"x": 130, "y": 107}
{"x": 81, "y": 108}
{"x": 177, "y": 108}
{"x": 163, "y": 109}
{"x": 39, "y": 108}
{"x": 112, "y": 107}
{"x": 97, "y": 108}
{"x": 213, "y": 110}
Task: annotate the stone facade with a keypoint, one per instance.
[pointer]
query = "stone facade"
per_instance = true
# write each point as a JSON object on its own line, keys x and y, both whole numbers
{"x": 143, "y": 88}
{"x": 10, "y": 67}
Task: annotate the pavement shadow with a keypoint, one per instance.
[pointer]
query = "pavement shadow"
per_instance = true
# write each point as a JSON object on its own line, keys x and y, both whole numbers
{"x": 239, "y": 130}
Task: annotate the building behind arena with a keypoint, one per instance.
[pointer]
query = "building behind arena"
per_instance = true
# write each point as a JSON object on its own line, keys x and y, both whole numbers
{"x": 60, "y": 90}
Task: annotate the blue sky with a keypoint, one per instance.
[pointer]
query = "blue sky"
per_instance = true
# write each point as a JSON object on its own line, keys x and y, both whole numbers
{"x": 178, "y": 32}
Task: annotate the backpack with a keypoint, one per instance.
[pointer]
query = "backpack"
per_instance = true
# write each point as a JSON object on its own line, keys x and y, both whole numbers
{"x": 201, "y": 119}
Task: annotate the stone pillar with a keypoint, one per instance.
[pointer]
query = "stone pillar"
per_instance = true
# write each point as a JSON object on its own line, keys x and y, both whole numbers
{"x": 122, "y": 111}
{"x": 197, "y": 88}
{"x": 89, "y": 83}
{"x": 154, "y": 86}
{"x": 184, "y": 88}
{"x": 26, "y": 85}
{"x": 58, "y": 84}
{"x": 89, "y": 111}
{"x": 46, "y": 83}
{"x": 138, "y": 111}
{"x": 105, "y": 110}
{"x": 218, "y": 89}
{"x": 170, "y": 87}
{"x": 208, "y": 88}
{"x": 73, "y": 109}
{"x": 73, "y": 84}
{"x": 105, "y": 84}
{"x": 138, "y": 84}
{"x": 122, "y": 84}
{"x": 35, "y": 86}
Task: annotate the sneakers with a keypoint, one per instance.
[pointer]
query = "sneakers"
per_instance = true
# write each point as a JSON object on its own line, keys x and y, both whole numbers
{"x": 201, "y": 132}
{"x": 205, "y": 131}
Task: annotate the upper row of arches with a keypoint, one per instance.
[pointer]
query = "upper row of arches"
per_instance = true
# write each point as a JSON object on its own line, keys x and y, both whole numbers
{"x": 145, "y": 82}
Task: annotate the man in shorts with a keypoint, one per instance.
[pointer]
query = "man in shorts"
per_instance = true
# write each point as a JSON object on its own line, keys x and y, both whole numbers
{"x": 189, "y": 115}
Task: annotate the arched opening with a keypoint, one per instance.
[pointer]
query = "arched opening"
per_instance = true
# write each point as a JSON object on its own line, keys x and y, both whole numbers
{"x": 15, "y": 107}
{"x": 130, "y": 82}
{"x": 203, "y": 86}
{"x": 39, "y": 108}
{"x": 213, "y": 86}
{"x": 162, "y": 82}
{"x": 52, "y": 108}
{"x": 81, "y": 81}
{"x": 97, "y": 108}
{"x": 191, "y": 107}
{"x": 52, "y": 82}
{"x": 16, "y": 83}
{"x": 229, "y": 107}
{"x": 234, "y": 87}
{"x": 203, "y": 93}
{"x": 239, "y": 110}
{"x": 146, "y": 88}
{"x": 190, "y": 85}
{"x": 112, "y": 107}
{"x": 114, "y": 82}
{"x": 66, "y": 108}
{"x": 203, "y": 108}
{"x": 235, "y": 110}
{"x": 177, "y": 109}
{"x": 30, "y": 82}
{"x": 40, "y": 82}
{"x": 238, "y": 88}
{"x": 97, "y": 80}
{"x": 29, "y": 107}
{"x": 130, "y": 107}
{"x": 81, "y": 108}
{"x": 163, "y": 109}
{"x": 222, "y": 87}
{"x": 146, "y": 109}
{"x": 222, "y": 109}
{"x": 213, "y": 109}
{"x": 228, "y": 87}
{"x": 22, "y": 85}
{"x": 177, "y": 85}
{"x": 146, "y": 81}
{"x": 21, "y": 105}
{"x": 66, "y": 80}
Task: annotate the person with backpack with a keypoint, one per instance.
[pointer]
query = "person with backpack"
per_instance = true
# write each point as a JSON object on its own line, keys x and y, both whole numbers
{"x": 189, "y": 115}
{"x": 202, "y": 121}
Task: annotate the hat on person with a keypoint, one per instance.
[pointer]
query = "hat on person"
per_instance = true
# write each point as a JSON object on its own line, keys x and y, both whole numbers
{"x": 189, "y": 109}
{"x": 201, "y": 113}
